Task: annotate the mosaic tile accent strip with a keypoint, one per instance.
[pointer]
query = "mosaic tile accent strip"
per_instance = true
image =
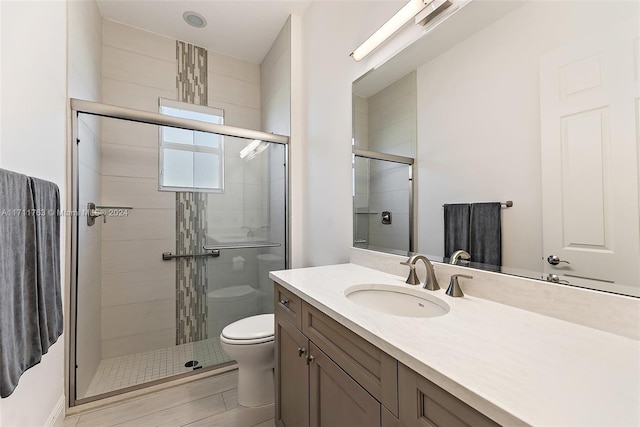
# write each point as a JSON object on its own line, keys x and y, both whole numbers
{"x": 191, "y": 274}
{"x": 191, "y": 211}
{"x": 192, "y": 79}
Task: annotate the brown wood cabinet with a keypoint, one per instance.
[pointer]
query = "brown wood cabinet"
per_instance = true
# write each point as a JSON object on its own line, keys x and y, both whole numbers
{"x": 328, "y": 376}
{"x": 312, "y": 390}
{"x": 335, "y": 398}
{"x": 372, "y": 368}
{"x": 424, "y": 404}
{"x": 292, "y": 375}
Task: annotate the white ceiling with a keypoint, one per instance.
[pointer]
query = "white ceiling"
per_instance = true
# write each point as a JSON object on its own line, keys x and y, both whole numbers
{"x": 244, "y": 29}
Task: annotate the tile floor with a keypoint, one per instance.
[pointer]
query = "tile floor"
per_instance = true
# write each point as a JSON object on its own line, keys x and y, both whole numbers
{"x": 125, "y": 371}
{"x": 210, "y": 402}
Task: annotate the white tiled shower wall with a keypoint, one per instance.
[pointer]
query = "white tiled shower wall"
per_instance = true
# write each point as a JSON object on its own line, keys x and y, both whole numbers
{"x": 361, "y": 136}
{"x": 85, "y": 43}
{"x": 275, "y": 77}
{"x": 138, "y": 288}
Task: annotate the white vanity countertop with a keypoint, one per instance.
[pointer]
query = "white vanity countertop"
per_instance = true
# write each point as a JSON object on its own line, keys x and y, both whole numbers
{"x": 514, "y": 366}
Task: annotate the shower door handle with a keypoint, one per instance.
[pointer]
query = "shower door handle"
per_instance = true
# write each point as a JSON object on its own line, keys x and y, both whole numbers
{"x": 93, "y": 213}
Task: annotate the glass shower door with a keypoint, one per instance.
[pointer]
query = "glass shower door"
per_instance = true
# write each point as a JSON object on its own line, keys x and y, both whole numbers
{"x": 160, "y": 273}
{"x": 245, "y": 226}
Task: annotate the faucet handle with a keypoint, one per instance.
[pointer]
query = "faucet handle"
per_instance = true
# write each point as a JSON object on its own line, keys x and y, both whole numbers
{"x": 413, "y": 276}
{"x": 454, "y": 287}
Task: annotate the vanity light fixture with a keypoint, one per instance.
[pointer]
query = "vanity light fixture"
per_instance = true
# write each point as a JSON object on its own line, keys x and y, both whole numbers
{"x": 396, "y": 22}
{"x": 194, "y": 19}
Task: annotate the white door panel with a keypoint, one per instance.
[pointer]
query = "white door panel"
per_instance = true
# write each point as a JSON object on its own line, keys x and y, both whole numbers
{"x": 589, "y": 127}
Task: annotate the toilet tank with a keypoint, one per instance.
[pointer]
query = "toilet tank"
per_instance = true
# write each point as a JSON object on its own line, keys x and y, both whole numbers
{"x": 267, "y": 263}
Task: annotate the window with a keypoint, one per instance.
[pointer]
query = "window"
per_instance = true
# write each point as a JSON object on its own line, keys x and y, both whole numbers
{"x": 191, "y": 160}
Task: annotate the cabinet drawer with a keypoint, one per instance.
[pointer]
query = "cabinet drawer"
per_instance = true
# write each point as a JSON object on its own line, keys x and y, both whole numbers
{"x": 288, "y": 305}
{"x": 424, "y": 404}
{"x": 373, "y": 369}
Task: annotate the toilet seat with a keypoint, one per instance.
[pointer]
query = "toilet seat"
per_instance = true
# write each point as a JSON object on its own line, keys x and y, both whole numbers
{"x": 251, "y": 330}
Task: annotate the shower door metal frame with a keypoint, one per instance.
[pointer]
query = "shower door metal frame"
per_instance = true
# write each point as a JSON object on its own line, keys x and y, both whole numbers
{"x": 79, "y": 106}
{"x": 409, "y": 161}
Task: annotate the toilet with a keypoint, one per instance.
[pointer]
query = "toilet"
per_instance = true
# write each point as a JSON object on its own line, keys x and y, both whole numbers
{"x": 250, "y": 342}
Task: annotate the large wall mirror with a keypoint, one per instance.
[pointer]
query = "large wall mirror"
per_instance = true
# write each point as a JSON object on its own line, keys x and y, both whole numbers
{"x": 534, "y": 102}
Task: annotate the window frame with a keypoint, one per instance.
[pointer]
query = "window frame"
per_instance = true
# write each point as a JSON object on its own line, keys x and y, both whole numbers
{"x": 162, "y": 145}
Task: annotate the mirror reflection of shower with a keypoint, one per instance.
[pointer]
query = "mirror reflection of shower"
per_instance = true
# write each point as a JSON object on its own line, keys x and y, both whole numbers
{"x": 155, "y": 287}
{"x": 382, "y": 202}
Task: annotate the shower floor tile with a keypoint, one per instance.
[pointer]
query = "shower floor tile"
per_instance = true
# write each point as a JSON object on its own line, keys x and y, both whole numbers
{"x": 134, "y": 369}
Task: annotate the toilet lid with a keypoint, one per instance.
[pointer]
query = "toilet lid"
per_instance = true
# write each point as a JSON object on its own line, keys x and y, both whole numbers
{"x": 250, "y": 328}
{"x": 231, "y": 292}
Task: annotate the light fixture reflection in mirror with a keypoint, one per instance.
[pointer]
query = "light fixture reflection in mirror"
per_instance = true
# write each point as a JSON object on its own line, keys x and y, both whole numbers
{"x": 547, "y": 119}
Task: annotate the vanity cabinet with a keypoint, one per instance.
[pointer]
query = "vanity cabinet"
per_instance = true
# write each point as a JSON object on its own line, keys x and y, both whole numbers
{"x": 335, "y": 399}
{"x": 292, "y": 374}
{"x": 326, "y": 375}
{"x": 424, "y": 404}
{"x": 312, "y": 390}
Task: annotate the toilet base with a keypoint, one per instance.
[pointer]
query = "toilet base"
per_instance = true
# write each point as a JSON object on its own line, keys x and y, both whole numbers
{"x": 255, "y": 372}
{"x": 255, "y": 387}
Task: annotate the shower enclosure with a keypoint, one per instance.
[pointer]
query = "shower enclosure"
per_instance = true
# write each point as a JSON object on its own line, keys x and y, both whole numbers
{"x": 179, "y": 222}
{"x": 382, "y": 201}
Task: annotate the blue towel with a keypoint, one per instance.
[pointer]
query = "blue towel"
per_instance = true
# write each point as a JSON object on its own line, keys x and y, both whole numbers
{"x": 30, "y": 294}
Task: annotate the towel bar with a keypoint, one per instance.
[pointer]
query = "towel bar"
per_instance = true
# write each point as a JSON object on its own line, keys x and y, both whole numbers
{"x": 168, "y": 256}
{"x": 241, "y": 245}
{"x": 507, "y": 204}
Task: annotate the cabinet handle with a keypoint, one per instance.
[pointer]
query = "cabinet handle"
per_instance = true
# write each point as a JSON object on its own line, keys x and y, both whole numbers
{"x": 284, "y": 302}
{"x": 301, "y": 351}
{"x": 310, "y": 359}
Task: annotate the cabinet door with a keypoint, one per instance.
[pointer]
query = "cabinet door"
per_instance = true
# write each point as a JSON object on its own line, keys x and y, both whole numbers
{"x": 336, "y": 400}
{"x": 291, "y": 375}
{"x": 372, "y": 368}
{"x": 424, "y": 404}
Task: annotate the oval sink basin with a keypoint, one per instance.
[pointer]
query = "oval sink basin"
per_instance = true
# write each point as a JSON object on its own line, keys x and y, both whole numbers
{"x": 390, "y": 299}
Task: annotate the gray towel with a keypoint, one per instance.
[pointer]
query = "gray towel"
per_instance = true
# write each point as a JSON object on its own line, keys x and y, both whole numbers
{"x": 456, "y": 228}
{"x": 485, "y": 233}
{"x": 46, "y": 197}
{"x": 20, "y": 342}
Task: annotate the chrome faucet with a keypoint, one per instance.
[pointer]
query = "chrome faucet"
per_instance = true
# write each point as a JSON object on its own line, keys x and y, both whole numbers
{"x": 454, "y": 287}
{"x": 459, "y": 254}
{"x": 430, "y": 283}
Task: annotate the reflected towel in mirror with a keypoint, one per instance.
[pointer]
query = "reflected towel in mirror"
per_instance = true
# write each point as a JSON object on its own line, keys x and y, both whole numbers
{"x": 456, "y": 227}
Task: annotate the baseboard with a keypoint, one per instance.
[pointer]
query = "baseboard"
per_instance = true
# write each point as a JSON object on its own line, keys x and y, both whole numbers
{"x": 56, "y": 419}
